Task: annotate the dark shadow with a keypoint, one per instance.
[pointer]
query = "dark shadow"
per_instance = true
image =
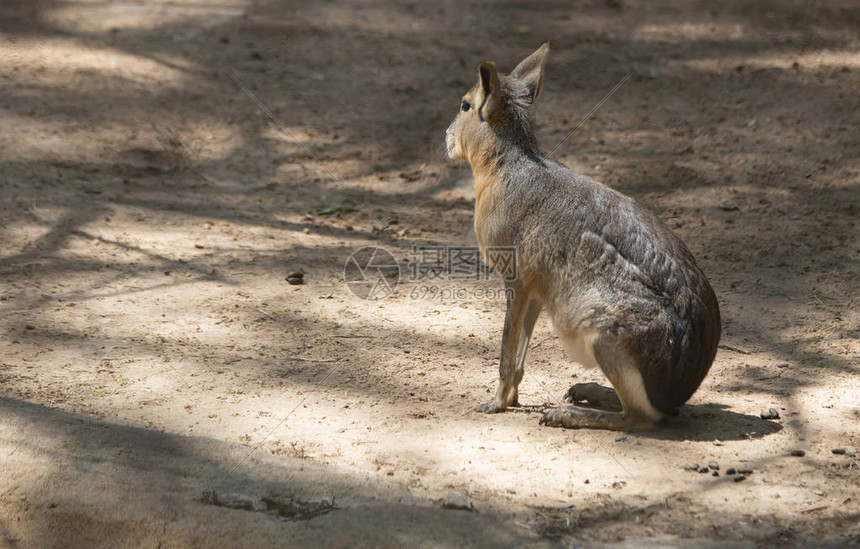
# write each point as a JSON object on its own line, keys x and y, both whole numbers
{"x": 712, "y": 422}
{"x": 107, "y": 464}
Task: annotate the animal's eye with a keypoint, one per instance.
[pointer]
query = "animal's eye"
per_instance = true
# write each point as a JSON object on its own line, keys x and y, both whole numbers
{"x": 465, "y": 106}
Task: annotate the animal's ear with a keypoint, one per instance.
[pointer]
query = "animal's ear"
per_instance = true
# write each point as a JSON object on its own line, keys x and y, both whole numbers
{"x": 530, "y": 71}
{"x": 489, "y": 94}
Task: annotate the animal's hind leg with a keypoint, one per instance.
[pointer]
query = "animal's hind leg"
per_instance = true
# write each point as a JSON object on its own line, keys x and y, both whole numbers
{"x": 621, "y": 369}
{"x": 595, "y": 395}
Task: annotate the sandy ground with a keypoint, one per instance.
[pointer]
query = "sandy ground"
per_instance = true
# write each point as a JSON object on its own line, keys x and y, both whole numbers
{"x": 163, "y": 384}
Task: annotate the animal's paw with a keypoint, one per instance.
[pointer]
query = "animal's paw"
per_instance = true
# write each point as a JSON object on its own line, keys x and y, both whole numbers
{"x": 554, "y": 417}
{"x": 579, "y": 392}
{"x": 595, "y": 395}
{"x": 489, "y": 407}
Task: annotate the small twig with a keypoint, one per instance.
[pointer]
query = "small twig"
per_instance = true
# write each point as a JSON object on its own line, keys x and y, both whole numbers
{"x": 265, "y": 313}
{"x": 310, "y": 359}
{"x": 355, "y": 336}
{"x": 814, "y": 509}
{"x": 733, "y": 348}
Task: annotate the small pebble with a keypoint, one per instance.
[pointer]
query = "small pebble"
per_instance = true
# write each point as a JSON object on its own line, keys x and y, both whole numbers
{"x": 798, "y": 453}
{"x": 715, "y": 474}
{"x": 782, "y": 365}
{"x": 296, "y": 278}
{"x": 30, "y": 327}
{"x": 850, "y": 454}
{"x": 739, "y": 478}
{"x": 838, "y": 451}
{"x": 730, "y": 471}
{"x": 689, "y": 466}
{"x": 453, "y": 500}
{"x": 306, "y": 230}
{"x": 745, "y": 471}
{"x": 771, "y": 413}
{"x": 714, "y": 465}
{"x": 703, "y": 469}
{"x": 618, "y": 484}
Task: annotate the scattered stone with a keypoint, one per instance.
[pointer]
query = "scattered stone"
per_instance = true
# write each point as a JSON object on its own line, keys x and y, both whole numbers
{"x": 730, "y": 471}
{"x": 782, "y": 365}
{"x": 714, "y": 465}
{"x": 715, "y": 474}
{"x": 850, "y": 454}
{"x": 770, "y": 413}
{"x": 739, "y": 478}
{"x": 745, "y": 471}
{"x": 691, "y": 467}
{"x": 838, "y": 451}
{"x": 798, "y": 453}
{"x": 453, "y": 500}
{"x": 29, "y": 327}
{"x": 296, "y": 278}
{"x": 703, "y": 469}
{"x": 618, "y": 484}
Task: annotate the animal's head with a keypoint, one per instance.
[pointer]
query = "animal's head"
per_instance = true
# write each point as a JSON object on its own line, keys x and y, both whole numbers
{"x": 496, "y": 112}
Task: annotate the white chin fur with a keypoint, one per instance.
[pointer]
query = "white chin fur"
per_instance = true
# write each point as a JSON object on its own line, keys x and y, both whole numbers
{"x": 449, "y": 143}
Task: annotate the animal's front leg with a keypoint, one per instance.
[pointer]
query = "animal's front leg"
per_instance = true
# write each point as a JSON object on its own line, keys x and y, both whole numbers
{"x": 522, "y": 312}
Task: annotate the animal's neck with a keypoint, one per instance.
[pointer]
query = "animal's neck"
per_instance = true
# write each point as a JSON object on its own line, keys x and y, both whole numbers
{"x": 489, "y": 165}
{"x": 489, "y": 169}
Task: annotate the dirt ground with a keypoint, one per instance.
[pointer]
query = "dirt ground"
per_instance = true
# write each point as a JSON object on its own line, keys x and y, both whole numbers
{"x": 163, "y": 384}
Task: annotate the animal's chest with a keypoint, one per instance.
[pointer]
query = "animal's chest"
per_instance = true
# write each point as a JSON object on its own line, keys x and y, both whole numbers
{"x": 489, "y": 213}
